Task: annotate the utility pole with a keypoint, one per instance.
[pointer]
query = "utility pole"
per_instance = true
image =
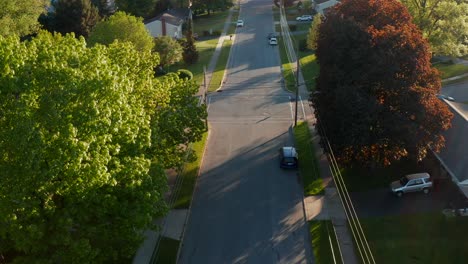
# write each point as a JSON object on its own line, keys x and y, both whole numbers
{"x": 205, "y": 86}
{"x": 297, "y": 88}
{"x": 205, "y": 91}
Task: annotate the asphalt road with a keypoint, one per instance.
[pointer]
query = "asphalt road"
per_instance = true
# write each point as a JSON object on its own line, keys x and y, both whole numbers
{"x": 245, "y": 208}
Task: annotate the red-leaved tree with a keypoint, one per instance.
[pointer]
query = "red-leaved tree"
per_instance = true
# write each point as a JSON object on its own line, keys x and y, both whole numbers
{"x": 377, "y": 100}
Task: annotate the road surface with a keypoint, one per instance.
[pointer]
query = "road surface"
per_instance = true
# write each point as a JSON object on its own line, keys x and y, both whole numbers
{"x": 245, "y": 208}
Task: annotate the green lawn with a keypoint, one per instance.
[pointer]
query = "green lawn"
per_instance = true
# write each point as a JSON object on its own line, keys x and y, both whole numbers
{"x": 308, "y": 165}
{"x": 214, "y": 21}
{"x": 205, "y": 52}
{"x": 287, "y": 68}
{"x": 363, "y": 179}
{"x": 455, "y": 81}
{"x": 450, "y": 70}
{"x": 189, "y": 174}
{"x": 218, "y": 73}
{"x": 309, "y": 68}
{"x": 167, "y": 251}
{"x": 323, "y": 238}
{"x": 421, "y": 238}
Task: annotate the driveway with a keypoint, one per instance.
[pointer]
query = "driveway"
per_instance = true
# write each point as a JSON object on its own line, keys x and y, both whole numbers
{"x": 382, "y": 202}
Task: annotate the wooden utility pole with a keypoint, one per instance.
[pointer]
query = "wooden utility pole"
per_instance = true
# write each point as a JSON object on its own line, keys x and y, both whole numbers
{"x": 297, "y": 89}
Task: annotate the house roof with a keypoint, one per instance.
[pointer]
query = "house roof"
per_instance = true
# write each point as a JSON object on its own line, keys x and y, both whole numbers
{"x": 170, "y": 19}
{"x": 455, "y": 153}
{"x": 175, "y": 16}
{"x": 182, "y": 13}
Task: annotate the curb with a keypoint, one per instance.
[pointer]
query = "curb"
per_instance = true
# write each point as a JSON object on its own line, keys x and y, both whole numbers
{"x": 189, "y": 210}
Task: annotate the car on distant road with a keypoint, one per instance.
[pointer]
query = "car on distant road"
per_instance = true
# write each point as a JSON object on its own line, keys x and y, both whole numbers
{"x": 273, "y": 41}
{"x": 288, "y": 158}
{"x": 240, "y": 23}
{"x": 304, "y": 18}
{"x": 418, "y": 182}
{"x": 446, "y": 97}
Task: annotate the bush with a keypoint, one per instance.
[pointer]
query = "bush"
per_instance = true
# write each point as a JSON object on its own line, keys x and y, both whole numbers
{"x": 217, "y": 33}
{"x": 206, "y": 33}
{"x": 183, "y": 73}
{"x": 293, "y": 27}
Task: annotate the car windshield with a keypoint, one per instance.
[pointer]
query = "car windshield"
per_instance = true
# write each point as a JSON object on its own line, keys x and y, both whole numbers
{"x": 403, "y": 180}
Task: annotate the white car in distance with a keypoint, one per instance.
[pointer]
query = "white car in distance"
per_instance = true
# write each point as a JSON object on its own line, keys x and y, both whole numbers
{"x": 304, "y": 18}
{"x": 240, "y": 23}
{"x": 273, "y": 41}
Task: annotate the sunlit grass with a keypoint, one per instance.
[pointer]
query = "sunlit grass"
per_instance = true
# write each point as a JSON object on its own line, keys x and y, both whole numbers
{"x": 321, "y": 232}
{"x": 189, "y": 176}
{"x": 308, "y": 165}
{"x": 451, "y": 70}
{"x": 218, "y": 73}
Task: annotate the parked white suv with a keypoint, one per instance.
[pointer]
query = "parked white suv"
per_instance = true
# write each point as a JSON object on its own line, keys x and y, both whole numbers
{"x": 412, "y": 183}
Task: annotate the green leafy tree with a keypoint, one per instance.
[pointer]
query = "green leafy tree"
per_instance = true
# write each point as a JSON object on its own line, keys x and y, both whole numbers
{"x": 85, "y": 134}
{"x": 443, "y": 22}
{"x": 21, "y": 16}
{"x": 208, "y": 6}
{"x": 377, "y": 97}
{"x": 314, "y": 32}
{"x": 190, "y": 54}
{"x": 122, "y": 27}
{"x": 78, "y": 16}
{"x": 106, "y": 7}
{"x": 169, "y": 50}
{"x": 141, "y": 8}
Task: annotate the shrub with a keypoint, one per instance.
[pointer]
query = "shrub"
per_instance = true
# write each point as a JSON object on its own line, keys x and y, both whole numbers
{"x": 183, "y": 73}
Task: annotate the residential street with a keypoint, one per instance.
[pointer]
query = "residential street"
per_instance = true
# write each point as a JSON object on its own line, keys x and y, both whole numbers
{"x": 246, "y": 209}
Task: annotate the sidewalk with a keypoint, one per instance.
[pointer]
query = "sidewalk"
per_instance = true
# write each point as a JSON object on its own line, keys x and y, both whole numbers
{"x": 216, "y": 53}
{"x": 173, "y": 224}
{"x": 328, "y": 206}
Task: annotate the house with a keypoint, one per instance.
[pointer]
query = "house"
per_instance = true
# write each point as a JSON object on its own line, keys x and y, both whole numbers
{"x": 321, "y": 6}
{"x": 454, "y": 156}
{"x": 169, "y": 23}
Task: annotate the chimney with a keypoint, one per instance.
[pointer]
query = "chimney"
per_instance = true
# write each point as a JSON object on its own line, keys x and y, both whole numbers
{"x": 163, "y": 26}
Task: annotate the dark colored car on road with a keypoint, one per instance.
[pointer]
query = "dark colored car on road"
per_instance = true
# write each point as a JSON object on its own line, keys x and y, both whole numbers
{"x": 288, "y": 158}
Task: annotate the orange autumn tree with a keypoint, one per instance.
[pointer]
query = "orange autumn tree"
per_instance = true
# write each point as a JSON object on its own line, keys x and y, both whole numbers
{"x": 377, "y": 89}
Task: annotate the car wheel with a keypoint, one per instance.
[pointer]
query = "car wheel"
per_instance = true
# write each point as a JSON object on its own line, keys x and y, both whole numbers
{"x": 426, "y": 190}
{"x": 399, "y": 194}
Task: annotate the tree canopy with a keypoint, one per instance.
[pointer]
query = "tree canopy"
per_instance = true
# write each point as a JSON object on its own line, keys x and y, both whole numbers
{"x": 21, "y": 16}
{"x": 122, "y": 27}
{"x": 139, "y": 8}
{"x": 85, "y": 134}
{"x": 314, "y": 32}
{"x": 443, "y": 22}
{"x": 77, "y": 16}
{"x": 377, "y": 89}
{"x": 169, "y": 50}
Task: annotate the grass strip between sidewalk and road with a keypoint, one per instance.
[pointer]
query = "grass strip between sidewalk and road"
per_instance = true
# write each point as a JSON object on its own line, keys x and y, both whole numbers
{"x": 308, "y": 166}
{"x": 167, "y": 251}
{"x": 417, "y": 238}
{"x": 286, "y": 67}
{"x": 189, "y": 175}
{"x": 324, "y": 242}
{"x": 218, "y": 73}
